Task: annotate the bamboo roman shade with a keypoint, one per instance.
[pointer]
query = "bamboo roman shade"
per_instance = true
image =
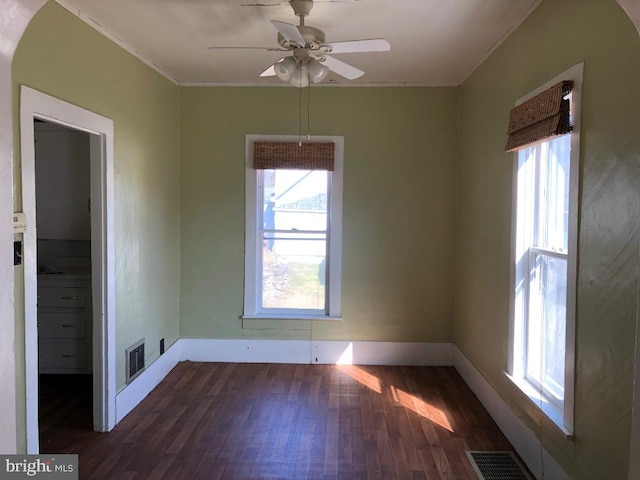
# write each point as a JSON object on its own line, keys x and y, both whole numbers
{"x": 292, "y": 155}
{"x": 544, "y": 116}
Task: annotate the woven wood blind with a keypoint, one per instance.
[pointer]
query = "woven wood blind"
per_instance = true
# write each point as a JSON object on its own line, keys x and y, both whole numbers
{"x": 291, "y": 155}
{"x": 544, "y": 116}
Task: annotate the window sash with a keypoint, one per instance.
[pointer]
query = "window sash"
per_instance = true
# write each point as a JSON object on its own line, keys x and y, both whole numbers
{"x": 535, "y": 217}
{"x": 284, "y": 236}
{"x": 546, "y": 191}
{"x": 305, "y": 296}
{"x": 535, "y": 363}
{"x": 552, "y": 178}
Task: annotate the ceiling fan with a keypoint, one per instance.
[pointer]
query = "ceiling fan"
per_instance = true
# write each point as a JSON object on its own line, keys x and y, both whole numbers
{"x": 310, "y": 61}
{"x": 281, "y": 2}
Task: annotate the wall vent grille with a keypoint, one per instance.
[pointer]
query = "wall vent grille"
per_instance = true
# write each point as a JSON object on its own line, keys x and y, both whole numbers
{"x": 135, "y": 360}
{"x": 497, "y": 466}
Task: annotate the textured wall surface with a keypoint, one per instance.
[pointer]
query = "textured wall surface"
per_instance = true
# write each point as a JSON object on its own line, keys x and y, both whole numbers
{"x": 559, "y": 34}
{"x": 399, "y": 160}
{"x": 63, "y": 57}
{"x": 14, "y": 18}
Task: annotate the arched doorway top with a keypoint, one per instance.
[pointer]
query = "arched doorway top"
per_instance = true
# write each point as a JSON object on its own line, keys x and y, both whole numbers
{"x": 632, "y": 9}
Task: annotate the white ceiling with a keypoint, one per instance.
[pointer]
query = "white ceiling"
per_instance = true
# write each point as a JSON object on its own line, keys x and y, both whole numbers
{"x": 433, "y": 42}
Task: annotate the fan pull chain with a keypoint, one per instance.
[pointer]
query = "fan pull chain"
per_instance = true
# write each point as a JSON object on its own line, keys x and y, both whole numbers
{"x": 300, "y": 112}
{"x": 309, "y": 111}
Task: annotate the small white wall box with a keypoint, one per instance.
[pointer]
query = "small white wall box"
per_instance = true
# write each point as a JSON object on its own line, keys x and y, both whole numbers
{"x": 19, "y": 223}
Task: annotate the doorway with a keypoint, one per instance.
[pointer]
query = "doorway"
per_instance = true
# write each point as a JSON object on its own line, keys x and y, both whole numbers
{"x": 99, "y": 290}
{"x": 64, "y": 310}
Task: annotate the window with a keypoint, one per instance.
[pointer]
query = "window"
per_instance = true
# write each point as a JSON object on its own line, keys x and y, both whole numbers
{"x": 293, "y": 228}
{"x": 544, "y": 267}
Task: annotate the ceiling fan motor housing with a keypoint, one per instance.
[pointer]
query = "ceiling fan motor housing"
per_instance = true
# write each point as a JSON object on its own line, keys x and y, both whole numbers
{"x": 314, "y": 38}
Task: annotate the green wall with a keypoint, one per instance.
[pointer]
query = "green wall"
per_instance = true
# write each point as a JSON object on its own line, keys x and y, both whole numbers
{"x": 399, "y": 167}
{"x": 559, "y": 34}
{"x": 63, "y": 57}
{"x": 427, "y": 204}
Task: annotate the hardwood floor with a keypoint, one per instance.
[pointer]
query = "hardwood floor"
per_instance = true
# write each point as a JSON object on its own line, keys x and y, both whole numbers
{"x": 64, "y": 411}
{"x": 263, "y": 421}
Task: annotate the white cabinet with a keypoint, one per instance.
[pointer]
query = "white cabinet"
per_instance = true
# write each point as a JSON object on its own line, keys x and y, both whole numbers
{"x": 64, "y": 324}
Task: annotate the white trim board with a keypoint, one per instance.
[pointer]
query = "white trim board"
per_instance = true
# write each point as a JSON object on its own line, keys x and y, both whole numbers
{"x": 34, "y": 104}
{"x": 523, "y": 440}
{"x": 319, "y": 352}
{"x": 634, "y": 458}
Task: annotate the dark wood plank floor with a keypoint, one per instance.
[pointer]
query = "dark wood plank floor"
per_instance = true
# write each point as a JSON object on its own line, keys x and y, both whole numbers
{"x": 64, "y": 411}
{"x": 262, "y": 421}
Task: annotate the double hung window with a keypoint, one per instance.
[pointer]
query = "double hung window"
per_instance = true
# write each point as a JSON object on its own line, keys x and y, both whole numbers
{"x": 544, "y": 193}
{"x": 544, "y": 245}
{"x": 293, "y": 227}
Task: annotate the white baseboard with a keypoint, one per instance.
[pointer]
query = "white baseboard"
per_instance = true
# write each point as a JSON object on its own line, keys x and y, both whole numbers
{"x": 522, "y": 438}
{"x": 131, "y": 395}
{"x": 244, "y": 351}
{"x": 320, "y": 352}
{"x": 382, "y": 353}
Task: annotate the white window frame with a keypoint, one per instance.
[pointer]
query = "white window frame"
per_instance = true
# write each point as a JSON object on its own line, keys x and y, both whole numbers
{"x": 560, "y": 413}
{"x": 254, "y": 242}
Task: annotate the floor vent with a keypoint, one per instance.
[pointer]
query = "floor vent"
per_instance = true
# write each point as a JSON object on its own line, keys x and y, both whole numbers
{"x": 135, "y": 360}
{"x": 497, "y": 466}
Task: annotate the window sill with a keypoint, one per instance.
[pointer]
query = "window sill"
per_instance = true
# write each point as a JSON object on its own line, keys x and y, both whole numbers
{"x": 282, "y": 316}
{"x": 550, "y": 410}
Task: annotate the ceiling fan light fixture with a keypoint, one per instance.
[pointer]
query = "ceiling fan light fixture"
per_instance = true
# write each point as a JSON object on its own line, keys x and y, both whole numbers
{"x": 317, "y": 71}
{"x": 286, "y": 68}
{"x": 300, "y": 77}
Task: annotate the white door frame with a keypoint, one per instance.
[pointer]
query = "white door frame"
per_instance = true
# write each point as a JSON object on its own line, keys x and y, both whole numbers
{"x": 34, "y": 104}
{"x": 634, "y": 448}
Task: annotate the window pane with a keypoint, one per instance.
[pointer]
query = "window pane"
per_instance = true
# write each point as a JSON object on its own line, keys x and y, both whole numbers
{"x": 546, "y": 322}
{"x": 553, "y": 203}
{"x": 295, "y": 199}
{"x": 294, "y": 271}
{"x": 294, "y": 239}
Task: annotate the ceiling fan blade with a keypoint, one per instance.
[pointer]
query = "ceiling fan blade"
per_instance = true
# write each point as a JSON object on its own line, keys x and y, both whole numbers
{"x": 343, "y": 69}
{"x": 358, "y": 46}
{"x": 286, "y": 2}
{"x": 290, "y": 33}
{"x": 269, "y": 72}
{"x": 265, "y": 49}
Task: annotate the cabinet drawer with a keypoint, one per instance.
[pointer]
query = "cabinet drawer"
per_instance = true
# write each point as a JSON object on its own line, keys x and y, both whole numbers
{"x": 62, "y": 356}
{"x": 62, "y": 324}
{"x": 69, "y": 297}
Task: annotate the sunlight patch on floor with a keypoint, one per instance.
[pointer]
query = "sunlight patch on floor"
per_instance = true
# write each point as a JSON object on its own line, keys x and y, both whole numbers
{"x": 413, "y": 403}
{"x": 365, "y": 378}
{"x": 421, "y": 407}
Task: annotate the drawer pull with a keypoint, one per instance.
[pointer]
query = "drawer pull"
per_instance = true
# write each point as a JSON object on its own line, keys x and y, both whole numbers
{"x": 69, "y": 298}
{"x": 68, "y": 356}
{"x": 68, "y": 326}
